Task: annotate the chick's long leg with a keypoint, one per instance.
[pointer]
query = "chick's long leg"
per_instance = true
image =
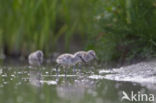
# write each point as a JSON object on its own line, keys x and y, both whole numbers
{"x": 65, "y": 70}
{"x": 57, "y": 66}
{"x": 80, "y": 66}
{"x": 74, "y": 69}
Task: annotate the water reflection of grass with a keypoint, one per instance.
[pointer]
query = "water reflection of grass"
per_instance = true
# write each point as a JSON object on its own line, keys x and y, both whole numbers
{"x": 22, "y": 85}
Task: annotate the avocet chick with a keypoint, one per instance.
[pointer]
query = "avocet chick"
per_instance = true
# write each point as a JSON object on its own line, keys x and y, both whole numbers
{"x": 87, "y": 56}
{"x": 81, "y": 54}
{"x": 36, "y": 58}
{"x": 67, "y": 61}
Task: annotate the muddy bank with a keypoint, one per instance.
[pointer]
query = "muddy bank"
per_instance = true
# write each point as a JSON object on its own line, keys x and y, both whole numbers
{"x": 143, "y": 73}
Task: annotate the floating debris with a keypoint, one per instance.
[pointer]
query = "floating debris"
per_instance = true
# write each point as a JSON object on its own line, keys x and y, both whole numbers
{"x": 61, "y": 75}
{"x": 46, "y": 72}
{"x": 49, "y": 82}
{"x": 96, "y": 77}
{"x": 12, "y": 75}
{"x": 4, "y": 75}
{"x": 104, "y": 71}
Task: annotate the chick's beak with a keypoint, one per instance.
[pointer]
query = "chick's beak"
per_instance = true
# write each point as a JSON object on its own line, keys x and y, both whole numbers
{"x": 95, "y": 57}
{"x": 82, "y": 59}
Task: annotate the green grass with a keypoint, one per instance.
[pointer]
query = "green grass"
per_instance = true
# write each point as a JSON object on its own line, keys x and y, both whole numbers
{"x": 38, "y": 24}
{"x": 116, "y": 29}
{"x": 125, "y": 30}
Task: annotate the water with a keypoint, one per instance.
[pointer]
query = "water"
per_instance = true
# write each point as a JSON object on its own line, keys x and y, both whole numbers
{"x": 20, "y": 84}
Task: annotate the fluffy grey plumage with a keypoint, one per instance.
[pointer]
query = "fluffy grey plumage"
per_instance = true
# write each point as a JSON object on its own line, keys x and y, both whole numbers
{"x": 68, "y": 60}
{"x": 36, "y": 58}
{"x": 87, "y": 56}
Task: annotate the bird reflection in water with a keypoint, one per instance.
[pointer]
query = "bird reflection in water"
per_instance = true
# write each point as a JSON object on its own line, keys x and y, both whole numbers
{"x": 35, "y": 77}
{"x": 75, "y": 90}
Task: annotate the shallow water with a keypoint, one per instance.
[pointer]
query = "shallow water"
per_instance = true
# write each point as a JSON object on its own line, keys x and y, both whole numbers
{"x": 20, "y": 84}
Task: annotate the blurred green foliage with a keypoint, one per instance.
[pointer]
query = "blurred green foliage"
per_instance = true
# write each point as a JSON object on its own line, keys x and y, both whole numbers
{"x": 116, "y": 29}
{"x": 125, "y": 29}
{"x": 38, "y": 24}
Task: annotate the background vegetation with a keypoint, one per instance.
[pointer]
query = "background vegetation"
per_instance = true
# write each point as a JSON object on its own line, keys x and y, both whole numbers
{"x": 117, "y": 29}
